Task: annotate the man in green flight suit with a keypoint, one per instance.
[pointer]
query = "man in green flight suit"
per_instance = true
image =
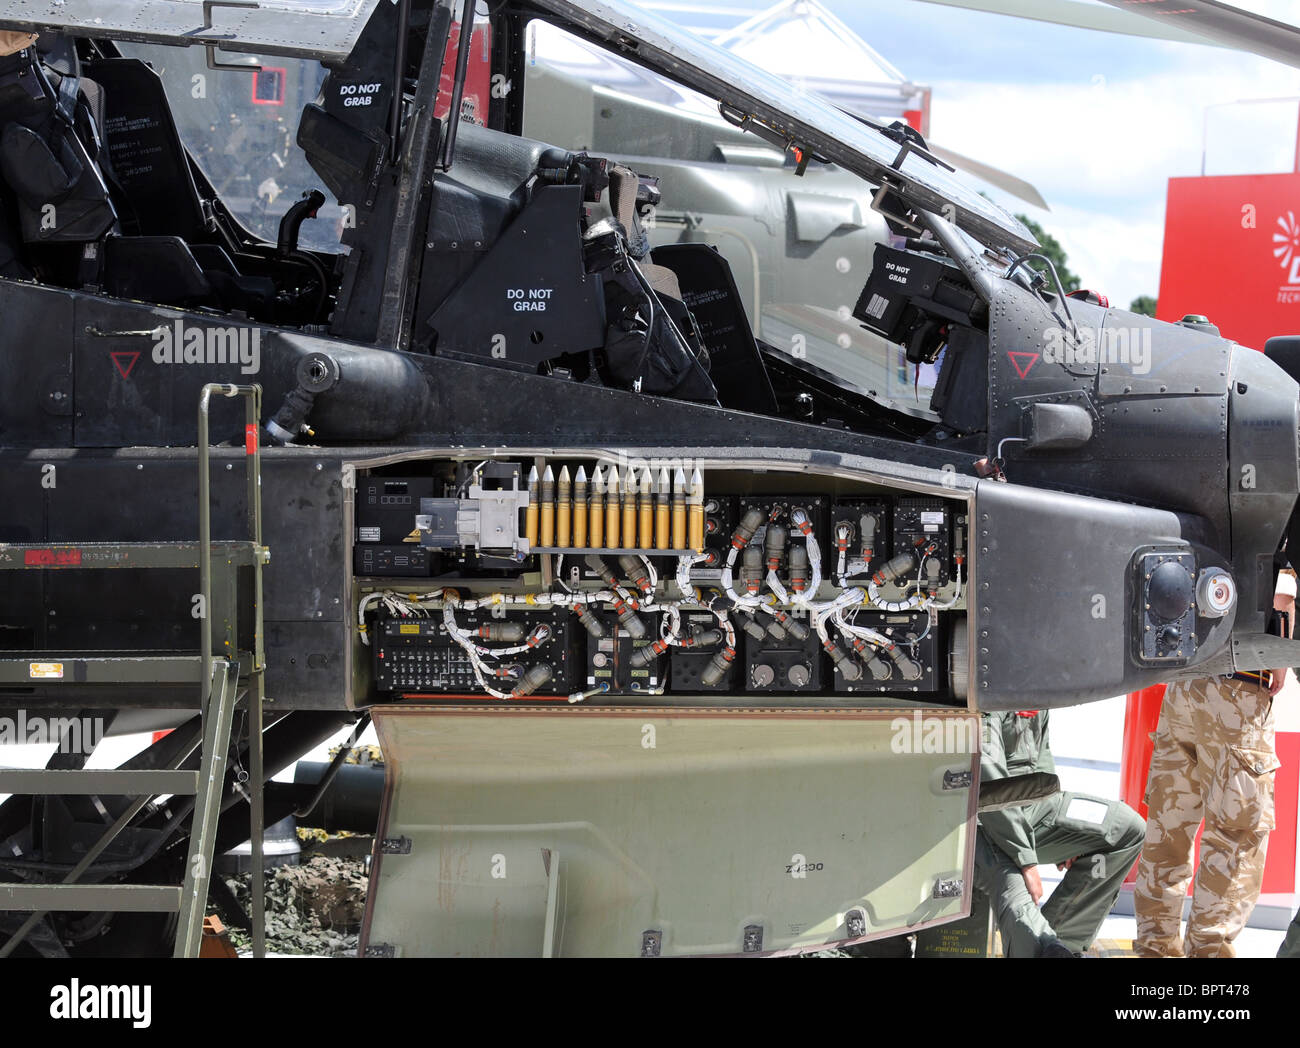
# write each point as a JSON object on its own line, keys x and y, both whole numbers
{"x": 1096, "y": 841}
{"x": 1291, "y": 944}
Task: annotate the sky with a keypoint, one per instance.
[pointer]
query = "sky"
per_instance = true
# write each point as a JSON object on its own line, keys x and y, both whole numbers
{"x": 1096, "y": 121}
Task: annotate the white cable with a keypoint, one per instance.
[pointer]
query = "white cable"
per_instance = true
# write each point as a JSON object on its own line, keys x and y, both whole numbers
{"x": 671, "y": 624}
{"x": 873, "y": 593}
{"x": 476, "y": 663}
{"x": 774, "y": 584}
{"x": 864, "y": 632}
{"x": 469, "y": 479}
{"x": 724, "y": 620}
{"x": 684, "y": 565}
{"x": 466, "y": 639}
{"x": 650, "y": 570}
{"x": 729, "y": 588}
{"x": 952, "y": 602}
{"x": 799, "y": 518}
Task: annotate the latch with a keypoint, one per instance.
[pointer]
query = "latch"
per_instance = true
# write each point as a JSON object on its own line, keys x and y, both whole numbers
{"x": 855, "y": 924}
{"x": 951, "y": 888}
{"x": 208, "y": 6}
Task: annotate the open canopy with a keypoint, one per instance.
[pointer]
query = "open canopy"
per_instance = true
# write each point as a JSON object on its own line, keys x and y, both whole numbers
{"x": 808, "y": 119}
{"x": 322, "y": 29}
{"x": 327, "y": 30}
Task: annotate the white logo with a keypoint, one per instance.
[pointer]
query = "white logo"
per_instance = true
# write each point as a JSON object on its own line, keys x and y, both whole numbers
{"x": 1286, "y": 249}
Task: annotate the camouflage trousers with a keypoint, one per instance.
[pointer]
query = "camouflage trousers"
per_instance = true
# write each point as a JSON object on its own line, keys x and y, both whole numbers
{"x": 1213, "y": 760}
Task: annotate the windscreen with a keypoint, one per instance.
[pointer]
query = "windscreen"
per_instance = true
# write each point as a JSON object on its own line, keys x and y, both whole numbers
{"x": 812, "y": 120}
{"x": 799, "y": 247}
{"x": 240, "y": 126}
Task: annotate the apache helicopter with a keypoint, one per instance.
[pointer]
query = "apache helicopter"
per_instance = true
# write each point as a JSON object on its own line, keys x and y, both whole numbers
{"x": 675, "y": 642}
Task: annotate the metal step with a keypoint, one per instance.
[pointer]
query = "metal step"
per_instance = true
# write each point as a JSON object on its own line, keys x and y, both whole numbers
{"x": 50, "y": 670}
{"x": 94, "y": 898}
{"x": 60, "y": 556}
{"x": 115, "y": 782}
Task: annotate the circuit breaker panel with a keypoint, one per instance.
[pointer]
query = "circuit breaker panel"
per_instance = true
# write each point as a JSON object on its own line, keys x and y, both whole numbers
{"x": 585, "y": 579}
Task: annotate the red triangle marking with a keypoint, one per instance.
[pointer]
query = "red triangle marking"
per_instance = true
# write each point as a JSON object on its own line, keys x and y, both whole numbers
{"x": 119, "y": 356}
{"x": 1022, "y": 369}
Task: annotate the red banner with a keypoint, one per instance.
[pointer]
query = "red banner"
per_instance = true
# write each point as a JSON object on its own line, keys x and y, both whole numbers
{"x": 1232, "y": 253}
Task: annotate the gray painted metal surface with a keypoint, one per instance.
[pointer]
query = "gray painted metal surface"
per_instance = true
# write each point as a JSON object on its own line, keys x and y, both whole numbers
{"x": 325, "y": 29}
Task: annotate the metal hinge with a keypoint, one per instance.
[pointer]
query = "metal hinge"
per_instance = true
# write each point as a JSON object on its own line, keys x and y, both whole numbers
{"x": 381, "y": 949}
{"x": 949, "y": 889}
{"x": 855, "y": 924}
{"x": 395, "y": 846}
{"x": 957, "y": 780}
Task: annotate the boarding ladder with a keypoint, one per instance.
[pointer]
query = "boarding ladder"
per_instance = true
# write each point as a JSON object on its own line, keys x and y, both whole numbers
{"x": 221, "y": 672}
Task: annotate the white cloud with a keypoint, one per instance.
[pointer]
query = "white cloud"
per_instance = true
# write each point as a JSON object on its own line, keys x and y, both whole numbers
{"x": 1101, "y": 151}
{"x": 1114, "y": 138}
{"x": 1117, "y": 256}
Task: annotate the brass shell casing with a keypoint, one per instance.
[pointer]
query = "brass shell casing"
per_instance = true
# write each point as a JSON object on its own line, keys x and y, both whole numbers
{"x": 596, "y": 518}
{"x": 563, "y": 522}
{"x": 611, "y": 521}
{"x": 663, "y": 527}
{"x": 629, "y": 520}
{"x": 697, "y": 528}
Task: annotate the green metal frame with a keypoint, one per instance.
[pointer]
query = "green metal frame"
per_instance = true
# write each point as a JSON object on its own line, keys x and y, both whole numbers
{"x": 220, "y": 670}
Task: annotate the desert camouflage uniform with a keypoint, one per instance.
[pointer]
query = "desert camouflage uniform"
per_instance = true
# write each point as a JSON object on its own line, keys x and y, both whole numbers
{"x": 1214, "y": 759}
{"x": 11, "y": 43}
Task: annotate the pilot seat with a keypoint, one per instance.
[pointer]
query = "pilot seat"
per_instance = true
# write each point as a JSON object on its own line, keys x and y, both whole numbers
{"x": 96, "y": 188}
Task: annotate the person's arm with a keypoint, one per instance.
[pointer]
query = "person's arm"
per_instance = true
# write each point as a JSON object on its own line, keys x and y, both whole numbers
{"x": 1045, "y": 761}
{"x": 1284, "y": 601}
{"x": 1009, "y": 828}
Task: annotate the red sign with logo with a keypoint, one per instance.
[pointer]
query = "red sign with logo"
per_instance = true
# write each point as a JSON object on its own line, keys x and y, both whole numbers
{"x": 1232, "y": 253}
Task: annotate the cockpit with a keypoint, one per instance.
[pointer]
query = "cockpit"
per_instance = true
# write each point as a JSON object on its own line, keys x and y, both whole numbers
{"x": 102, "y": 192}
{"x": 470, "y": 195}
